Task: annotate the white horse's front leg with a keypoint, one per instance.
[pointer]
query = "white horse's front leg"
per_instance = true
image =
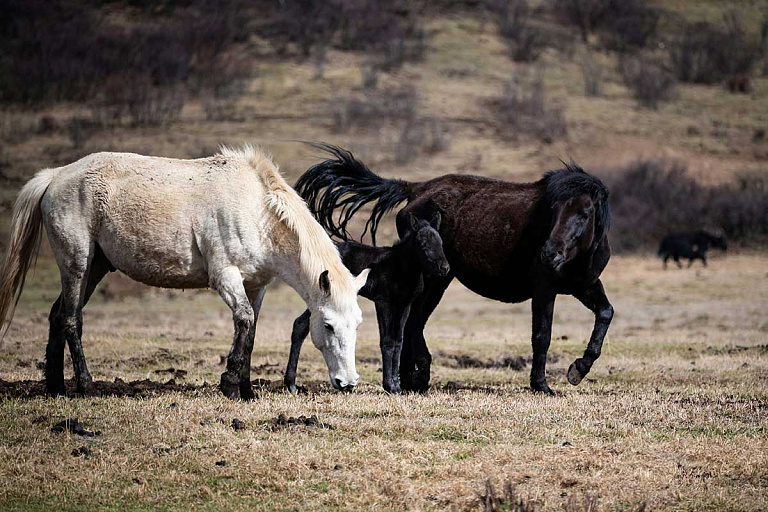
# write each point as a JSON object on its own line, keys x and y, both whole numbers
{"x": 229, "y": 284}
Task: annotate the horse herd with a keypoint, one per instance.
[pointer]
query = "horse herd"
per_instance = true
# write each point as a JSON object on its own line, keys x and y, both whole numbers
{"x": 230, "y": 222}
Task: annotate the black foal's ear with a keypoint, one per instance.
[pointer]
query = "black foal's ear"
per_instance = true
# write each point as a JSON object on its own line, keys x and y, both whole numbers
{"x": 437, "y": 218}
{"x": 413, "y": 222}
{"x": 325, "y": 283}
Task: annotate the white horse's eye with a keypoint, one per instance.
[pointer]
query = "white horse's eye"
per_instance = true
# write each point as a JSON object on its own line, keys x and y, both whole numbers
{"x": 329, "y": 327}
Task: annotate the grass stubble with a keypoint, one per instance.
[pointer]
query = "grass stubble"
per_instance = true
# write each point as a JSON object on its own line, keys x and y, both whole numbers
{"x": 673, "y": 415}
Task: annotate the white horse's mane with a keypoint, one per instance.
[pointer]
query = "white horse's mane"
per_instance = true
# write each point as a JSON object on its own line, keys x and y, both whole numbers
{"x": 317, "y": 251}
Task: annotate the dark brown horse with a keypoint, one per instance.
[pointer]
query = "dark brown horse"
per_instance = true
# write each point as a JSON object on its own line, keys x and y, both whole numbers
{"x": 505, "y": 241}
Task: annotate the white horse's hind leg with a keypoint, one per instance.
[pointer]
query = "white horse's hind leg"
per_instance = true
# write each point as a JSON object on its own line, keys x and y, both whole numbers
{"x": 229, "y": 284}
{"x": 74, "y": 251}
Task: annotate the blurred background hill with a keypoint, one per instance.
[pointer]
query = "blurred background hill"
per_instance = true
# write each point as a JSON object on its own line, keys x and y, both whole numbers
{"x": 667, "y": 100}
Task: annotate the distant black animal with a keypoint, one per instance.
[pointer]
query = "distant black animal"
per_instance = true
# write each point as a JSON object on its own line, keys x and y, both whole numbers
{"x": 395, "y": 280}
{"x": 689, "y": 245}
{"x": 506, "y": 241}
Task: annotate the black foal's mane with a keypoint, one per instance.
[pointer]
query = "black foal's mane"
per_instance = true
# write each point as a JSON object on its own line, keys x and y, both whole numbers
{"x": 573, "y": 181}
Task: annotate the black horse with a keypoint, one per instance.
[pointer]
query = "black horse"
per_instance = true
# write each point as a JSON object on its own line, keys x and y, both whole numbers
{"x": 689, "y": 245}
{"x": 506, "y": 241}
{"x": 396, "y": 278}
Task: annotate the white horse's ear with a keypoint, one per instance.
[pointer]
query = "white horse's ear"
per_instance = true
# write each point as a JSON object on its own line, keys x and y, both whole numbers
{"x": 362, "y": 278}
{"x": 325, "y": 283}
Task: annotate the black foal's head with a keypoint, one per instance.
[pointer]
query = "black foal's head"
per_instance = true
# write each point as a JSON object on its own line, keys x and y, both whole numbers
{"x": 573, "y": 231}
{"x": 430, "y": 245}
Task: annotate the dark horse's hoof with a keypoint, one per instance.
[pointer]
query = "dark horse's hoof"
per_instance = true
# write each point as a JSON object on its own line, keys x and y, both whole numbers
{"x": 415, "y": 378}
{"x": 576, "y": 372}
{"x": 542, "y": 387}
{"x": 57, "y": 389}
{"x": 246, "y": 391}
{"x": 85, "y": 387}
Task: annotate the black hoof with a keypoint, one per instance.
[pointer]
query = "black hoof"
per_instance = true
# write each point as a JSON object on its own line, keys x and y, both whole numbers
{"x": 576, "y": 372}
{"x": 56, "y": 389}
{"x": 229, "y": 388}
{"x": 542, "y": 387}
{"x": 393, "y": 389}
{"x": 416, "y": 376}
{"x": 85, "y": 387}
{"x": 246, "y": 392}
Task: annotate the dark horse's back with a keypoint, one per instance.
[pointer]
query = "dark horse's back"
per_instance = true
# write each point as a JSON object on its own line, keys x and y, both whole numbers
{"x": 494, "y": 233}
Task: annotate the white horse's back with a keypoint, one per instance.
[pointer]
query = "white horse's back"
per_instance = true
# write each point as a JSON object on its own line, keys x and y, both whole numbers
{"x": 161, "y": 220}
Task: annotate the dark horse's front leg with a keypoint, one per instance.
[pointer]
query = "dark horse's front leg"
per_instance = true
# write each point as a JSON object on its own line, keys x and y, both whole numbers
{"x": 392, "y": 318}
{"x": 298, "y": 335}
{"x": 543, "y": 306}
{"x": 595, "y": 300}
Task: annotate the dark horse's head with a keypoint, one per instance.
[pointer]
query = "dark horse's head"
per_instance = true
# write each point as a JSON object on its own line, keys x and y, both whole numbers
{"x": 580, "y": 215}
{"x": 429, "y": 244}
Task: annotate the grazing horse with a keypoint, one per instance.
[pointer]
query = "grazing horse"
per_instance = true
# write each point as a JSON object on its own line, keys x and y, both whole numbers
{"x": 689, "y": 245}
{"x": 229, "y": 222}
{"x": 396, "y": 278}
{"x": 505, "y": 241}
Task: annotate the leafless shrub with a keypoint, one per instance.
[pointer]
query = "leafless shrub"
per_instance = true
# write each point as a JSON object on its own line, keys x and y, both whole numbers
{"x": 622, "y": 24}
{"x": 650, "y": 199}
{"x": 649, "y": 82}
{"x": 16, "y": 127}
{"x": 418, "y": 136}
{"x": 370, "y": 75}
{"x": 523, "y": 40}
{"x": 707, "y": 54}
{"x": 523, "y": 108}
{"x": 592, "y": 72}
{"x": 374, "y": 108}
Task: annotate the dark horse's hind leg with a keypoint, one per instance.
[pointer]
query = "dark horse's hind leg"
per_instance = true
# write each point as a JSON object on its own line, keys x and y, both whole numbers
{"x": 66, "y": 327}
{"x": 298, "y": 335}
{"x": 415, "y": 359}
{"x": 593, "y": 298}
{"x": 542, "y": 306}
{"x": 392, "y": 318}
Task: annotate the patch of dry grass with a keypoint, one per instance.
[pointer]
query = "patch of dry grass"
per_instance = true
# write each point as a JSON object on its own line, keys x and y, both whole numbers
{"x": 673, "y": 415}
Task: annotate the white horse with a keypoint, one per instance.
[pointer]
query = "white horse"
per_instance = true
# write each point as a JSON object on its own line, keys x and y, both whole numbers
{"x": 229, "y": 222}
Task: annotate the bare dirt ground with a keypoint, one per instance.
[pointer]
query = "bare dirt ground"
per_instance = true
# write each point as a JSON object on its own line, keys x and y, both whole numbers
{"x": 674, "y": 414}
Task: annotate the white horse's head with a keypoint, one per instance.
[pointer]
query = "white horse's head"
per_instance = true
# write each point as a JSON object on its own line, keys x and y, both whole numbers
{"x": 334, "y": 319}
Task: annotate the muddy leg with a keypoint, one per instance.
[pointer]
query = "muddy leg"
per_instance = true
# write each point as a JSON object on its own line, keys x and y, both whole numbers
{"x": 54, "y": 353}
{"x": 256, "y": 297}
{"x": 543, "y": 305}
{"x": 392, "y": 319}
{"x": 298, "y": 335}
{"x": 229, "y": 284}
{"x": 415, "y": 359}
{"x": 595, "y": 300}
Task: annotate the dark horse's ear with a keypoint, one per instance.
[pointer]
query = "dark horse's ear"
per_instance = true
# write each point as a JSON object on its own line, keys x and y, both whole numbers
{"x": 325, "y": 283}
{"x": 413, "y": 222}
{"x": 437, "y": 218}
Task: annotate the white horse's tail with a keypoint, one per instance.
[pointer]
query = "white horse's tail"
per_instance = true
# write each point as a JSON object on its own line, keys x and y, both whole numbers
{"x": 26, "y": 233}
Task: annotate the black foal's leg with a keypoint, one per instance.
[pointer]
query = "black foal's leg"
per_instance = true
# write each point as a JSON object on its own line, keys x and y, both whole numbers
{"x": 415, "y": 359}
{"x": 392, "y": 319}
{"x": 677, "y": 261}
{"x": 666, "y": 257}
{"x": 542, "y": 305}
{"x": 298, "y": 335}
{"x": 595, "y": 300}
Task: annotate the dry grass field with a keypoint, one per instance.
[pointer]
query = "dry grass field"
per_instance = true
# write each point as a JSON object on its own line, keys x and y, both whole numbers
{"x": 673, "y": 416}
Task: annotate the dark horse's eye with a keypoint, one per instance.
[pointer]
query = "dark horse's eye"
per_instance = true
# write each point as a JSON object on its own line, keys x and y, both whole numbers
{"x": 329, "y": 327}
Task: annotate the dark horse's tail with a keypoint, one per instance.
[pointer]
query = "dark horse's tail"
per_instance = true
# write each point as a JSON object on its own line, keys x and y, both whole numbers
{"x": 338, "y": 187}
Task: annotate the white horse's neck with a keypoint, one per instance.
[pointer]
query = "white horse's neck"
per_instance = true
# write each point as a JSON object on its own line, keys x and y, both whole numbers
{"x": 294, "y": 275}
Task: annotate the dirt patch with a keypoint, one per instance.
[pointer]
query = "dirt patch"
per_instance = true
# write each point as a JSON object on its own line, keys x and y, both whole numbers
{"x": 36, "y": 388}
{"x": 283, "y": 422}
{"x": 515, "y": 363}
{"x": 736, "y": 349}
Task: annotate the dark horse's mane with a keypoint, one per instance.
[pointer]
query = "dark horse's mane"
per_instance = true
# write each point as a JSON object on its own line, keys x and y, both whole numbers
{"x": 573, "y": 181}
